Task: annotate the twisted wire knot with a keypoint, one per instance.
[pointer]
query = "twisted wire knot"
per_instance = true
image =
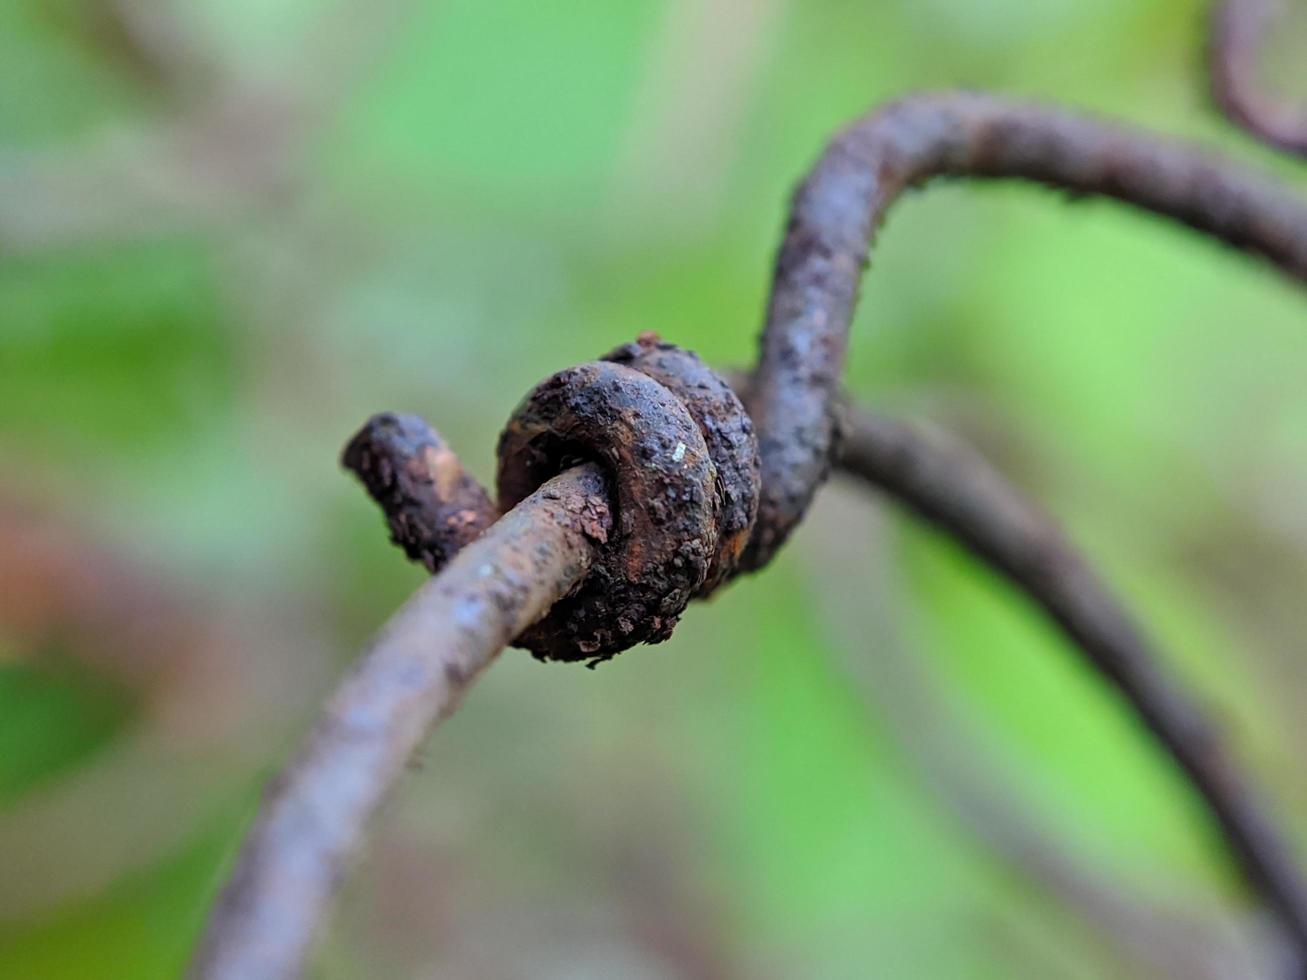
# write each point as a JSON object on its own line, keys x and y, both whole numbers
{"x": 681, "y": 460}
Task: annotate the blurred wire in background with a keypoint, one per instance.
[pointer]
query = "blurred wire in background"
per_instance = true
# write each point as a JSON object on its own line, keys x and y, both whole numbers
{"x": 229, "y": 231}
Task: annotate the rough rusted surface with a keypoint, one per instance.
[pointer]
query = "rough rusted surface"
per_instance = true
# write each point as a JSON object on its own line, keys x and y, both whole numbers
{"x": 433, "y": 507}
{"x": 665, "y": 528}
{"x": 839, "y": 207}
{"x": 727, "y": 431}
{"x": 655, "y": 470}
{"x": 314, "y": 815}
{"x": 1238, "y": 33}
{"x": 950, "y": 485}
{"x": 682, "y": 461}
{"x": 835, "y": 215}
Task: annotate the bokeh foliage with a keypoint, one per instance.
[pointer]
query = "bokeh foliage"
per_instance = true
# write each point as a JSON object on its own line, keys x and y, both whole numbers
{"x": 508, "y": 188}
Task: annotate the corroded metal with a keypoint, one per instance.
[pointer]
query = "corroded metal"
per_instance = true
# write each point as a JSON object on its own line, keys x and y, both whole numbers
{"x": 840, "y": 206}
{"x": 948, "y": 484}
{"x": 1239, "y": 32}
{"x": 433, "y": 506}
{"x": 680, "y": 456}
{"x": 412, "y": 676}
{"x": 669, "y": 442}
{"x": 727, "y": 431}
{"x": 662, "y": 480}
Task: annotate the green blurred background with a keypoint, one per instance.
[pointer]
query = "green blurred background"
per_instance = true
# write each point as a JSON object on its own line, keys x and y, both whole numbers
{"x": 230, "y": 231}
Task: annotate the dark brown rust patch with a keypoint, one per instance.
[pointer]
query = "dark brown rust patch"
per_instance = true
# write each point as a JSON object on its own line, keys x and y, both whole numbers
{"x": 663, "y": 482}
{"x": 727, "y": 431}
{"x": 433, "y": 507}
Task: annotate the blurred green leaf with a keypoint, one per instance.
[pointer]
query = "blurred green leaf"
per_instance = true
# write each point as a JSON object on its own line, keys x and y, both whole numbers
{"x": 55, "y": 718}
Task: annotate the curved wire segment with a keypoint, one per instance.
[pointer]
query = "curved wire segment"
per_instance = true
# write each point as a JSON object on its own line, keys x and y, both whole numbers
{"x": 309, "y": 825}
{"x": 314, "y": 814}
{"x": 1239, "y": 30}
{"x": 838, "y": 209}
{"x": 949, "y": 485}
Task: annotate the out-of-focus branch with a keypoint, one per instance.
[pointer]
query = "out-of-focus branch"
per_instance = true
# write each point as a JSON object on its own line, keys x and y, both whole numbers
{"x": 229, "y": 145}
{"x": 412, "y": 677}
{"x": 195, "y": 662}
{"x": 957, "y": 762}
{"x": 949, "y": 485}
{"x": 159, "y": 41}
{"x": 64, "y": 589}
{"x": 1239, "y": 31}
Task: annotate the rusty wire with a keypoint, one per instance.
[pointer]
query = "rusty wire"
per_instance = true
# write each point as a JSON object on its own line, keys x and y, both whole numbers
{"x": 839, "y": 208}
{"x": 413, "y": 676}
{"x": 947, "y": 484}
{"x": 1238, "y": 33}
{"x": 683, "y": 473}
{"x": 681, "y": 456}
